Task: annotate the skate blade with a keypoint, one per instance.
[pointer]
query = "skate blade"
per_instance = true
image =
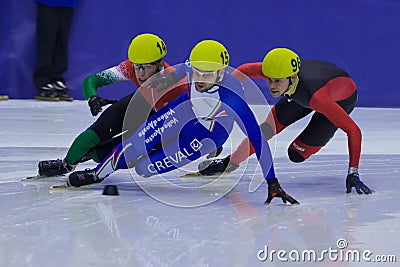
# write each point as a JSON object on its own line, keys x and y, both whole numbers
{"x": 63, "y": 186}
{"x": 197, "y": 174}
{"x": 46, "y": 98}
{"x": 193, "y": 174}
{"x": 66, "y": 98}
{"x": 59, "y": 186}
{"x": 29, "y": 178}
{"x": 39, "y": 177}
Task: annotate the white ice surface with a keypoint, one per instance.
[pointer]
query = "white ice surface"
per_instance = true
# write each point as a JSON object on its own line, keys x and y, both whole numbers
{"x": 81, "y": 227}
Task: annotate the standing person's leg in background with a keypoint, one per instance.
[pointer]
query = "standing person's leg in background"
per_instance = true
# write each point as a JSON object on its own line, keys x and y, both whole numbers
{"x": 52, "y": 26}
{"x": 46, "y": 31}
{"x": 60, "y": 55}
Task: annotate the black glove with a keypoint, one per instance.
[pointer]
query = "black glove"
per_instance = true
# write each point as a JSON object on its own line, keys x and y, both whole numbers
{"x": 96, "y": 103}
{"x": 216, "y": 166}
{"x": 275, "y": 190}
{"x": 215, "y": 153}
{"x": 353, "y": 180}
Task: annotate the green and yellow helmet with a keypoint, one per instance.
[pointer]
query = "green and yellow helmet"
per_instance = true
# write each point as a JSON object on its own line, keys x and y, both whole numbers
{"x": 280, "y": 63}
{"x": 146, "y": 48}
{"x": 209, "y": 55}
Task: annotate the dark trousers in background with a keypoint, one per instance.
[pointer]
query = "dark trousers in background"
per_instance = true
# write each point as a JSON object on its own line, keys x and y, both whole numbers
{"x": 52, "y": 27}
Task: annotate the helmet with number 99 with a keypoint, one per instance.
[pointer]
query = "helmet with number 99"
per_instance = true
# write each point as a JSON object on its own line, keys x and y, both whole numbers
{"x": 280, "y": 63}
{"x": 209, "y": 55}
{"x": 146, "y": 48}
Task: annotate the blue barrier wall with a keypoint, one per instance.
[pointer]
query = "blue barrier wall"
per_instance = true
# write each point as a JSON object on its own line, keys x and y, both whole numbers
{"x": 362, "y": 36}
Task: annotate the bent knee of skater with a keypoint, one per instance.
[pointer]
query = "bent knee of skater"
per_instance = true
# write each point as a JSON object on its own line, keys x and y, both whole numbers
{"x": 299, "y": 151}
{"x": 267, "y": 130}
{"x": 144, "y": 170}
{"x": 295, "y": 156}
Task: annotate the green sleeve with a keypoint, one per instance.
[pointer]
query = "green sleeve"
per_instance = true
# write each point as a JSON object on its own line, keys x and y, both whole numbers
{"x": 90, "y": 85}
{"x": 106, "y": 77}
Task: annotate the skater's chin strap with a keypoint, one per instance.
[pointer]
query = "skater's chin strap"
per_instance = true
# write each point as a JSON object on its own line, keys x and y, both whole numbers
{"x": 292, "y": 86}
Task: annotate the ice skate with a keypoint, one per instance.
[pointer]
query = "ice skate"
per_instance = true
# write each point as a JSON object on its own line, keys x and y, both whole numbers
{"x": 47, "y": 93}
{"x": 216, "y": 166}
{"x": 56, "y": 167}
{"x": 81, "y": 178}
{"x": 62, "y": 91}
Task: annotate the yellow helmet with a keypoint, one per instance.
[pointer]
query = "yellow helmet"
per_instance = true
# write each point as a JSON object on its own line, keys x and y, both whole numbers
{"x": 146, "y": 48}
{"x": 209, "y": 55}
{"x": 280, "y": 63}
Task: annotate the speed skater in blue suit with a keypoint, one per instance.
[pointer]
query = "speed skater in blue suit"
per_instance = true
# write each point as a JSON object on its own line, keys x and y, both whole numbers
{"x": 193, "y": 125}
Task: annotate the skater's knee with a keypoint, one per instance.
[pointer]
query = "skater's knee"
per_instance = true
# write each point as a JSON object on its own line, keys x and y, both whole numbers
{"x": 267, "y": 130}
{"x": 88, "y": 137}
{"x": 145, "y": 170}
{"x": 299, "y": 152}
{"x": 294, "y": 156}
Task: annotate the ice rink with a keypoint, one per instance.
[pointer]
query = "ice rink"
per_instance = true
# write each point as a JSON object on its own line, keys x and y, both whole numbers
{"x": 82, "y": 227}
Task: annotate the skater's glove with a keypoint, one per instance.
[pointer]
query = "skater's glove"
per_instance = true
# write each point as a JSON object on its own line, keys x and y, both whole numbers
{"x": 96, "y": 103}
{"x": 275, "y": 190}
{"x": 353, "y": 180}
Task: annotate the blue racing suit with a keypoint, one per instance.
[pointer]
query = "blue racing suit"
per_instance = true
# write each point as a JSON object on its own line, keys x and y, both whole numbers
{"x": 193, "y": 125}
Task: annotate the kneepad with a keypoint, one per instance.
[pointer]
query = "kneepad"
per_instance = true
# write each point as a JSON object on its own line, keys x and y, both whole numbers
{"x": 145, "y": 168}
{"x": 267, "y": 130}
{"x": 299, "y": 152}
{"x": 294, "y": 156}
